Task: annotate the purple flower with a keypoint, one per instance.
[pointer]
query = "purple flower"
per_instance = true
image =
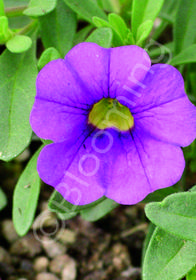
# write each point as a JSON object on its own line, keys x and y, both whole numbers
{"x": 117, "y": 123}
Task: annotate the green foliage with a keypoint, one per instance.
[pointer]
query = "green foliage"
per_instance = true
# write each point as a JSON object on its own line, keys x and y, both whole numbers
{"x": 17, "y": 80}
{"x": 38, "y": 8}
{"x": 142, "y": 11}
{"x": 2, "y": 12}
{"x": 121, "y": 34}
{"x": 187, "y": 55}
{"x": 87, "y": 9}
{"x": 47, "y": 56}
{"x": 101, "y": 36}
{"x": 168, "y": 257}
{"x": 56, "y": 31}
{"x": 176, "y": 214}
{"x": 192, "y": 274}
{"x": 5, "y": 32}
{"x": 144, "y": 31}
{"x": 185, "y": 25}
{"x": 99, "y": 210}
{"x": 26, "y": 196}
{"x": 19, "y": 44}
{"x": 3, "y": 199}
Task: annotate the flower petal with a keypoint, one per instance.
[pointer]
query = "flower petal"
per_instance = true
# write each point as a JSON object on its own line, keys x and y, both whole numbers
{"x": 72, "y": 170}
{"x": 128, "y": 67}
{"x": 66, "y": 90}
{"x": 57, "y": 122}
{"x": 139, "y": 165}
{"x": 163, "y": 109}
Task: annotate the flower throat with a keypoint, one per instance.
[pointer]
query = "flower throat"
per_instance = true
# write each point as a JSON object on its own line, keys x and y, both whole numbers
{"x": 109, "y": 113}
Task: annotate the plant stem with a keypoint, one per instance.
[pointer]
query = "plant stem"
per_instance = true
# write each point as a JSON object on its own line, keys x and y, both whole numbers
{"x": 15, "y": 11}
{"x": 141, "y": 227}
{"x": 28, "y": 27}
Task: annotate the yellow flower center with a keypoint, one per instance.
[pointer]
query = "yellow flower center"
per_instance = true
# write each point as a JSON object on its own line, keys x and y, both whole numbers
{"x": 109, "y": 113}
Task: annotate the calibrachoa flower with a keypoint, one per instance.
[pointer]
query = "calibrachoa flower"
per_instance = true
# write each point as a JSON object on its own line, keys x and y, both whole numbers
{"x": 117, "y": 123}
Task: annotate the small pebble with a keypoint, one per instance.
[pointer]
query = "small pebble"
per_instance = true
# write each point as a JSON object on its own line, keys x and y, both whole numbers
{"x": 46, "y": 276}
{"x": 41, "y": 264}
{"x": 52, "y": 248}
{"x": 4, "y": 256}
{"x": 8, "y": 231}
{"x": 66, "y": 236}
{"x": 69, "y": 271}
{"x": 26, "y": 246}
{"x": 58, "y": 264}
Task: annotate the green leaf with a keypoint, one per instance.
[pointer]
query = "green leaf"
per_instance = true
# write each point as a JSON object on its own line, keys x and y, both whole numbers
{"x": 47, "y": 56}
{"x": 168, "y": 257}
{"x": 2, "y": 12}
{"x": 82, "y": 34}
{"x": 66, "y": 216}
{"x": 87, "y": 9}
{"x": 5, "y": 32}
{"x": 185, "y": 25}
{"x": 59, "y": 205}
{"x": 186, "y": 56}
{"x": 19, "y": 44}
{"x": 175, "y": 214}
{"x": 17, "y": 79}
{"x": 26, "y": 195}
{"x": 144, "y": 10}
{"x": 117, "y": 37}
{"x": 38, "y": 8}
{"x": 118, "y": 24}
{"x": 151, "y": 229}
{"x": 58, "y": 28}
{"x": 98, "y": 211}
{"x": 192, "y": 274}
{"x": 3, "y": 199}
{"x": 102, "y": 37}
{"x": 169, "y": 9}
{"x": 160, "y": 194}
{"x": 143, "y": 31}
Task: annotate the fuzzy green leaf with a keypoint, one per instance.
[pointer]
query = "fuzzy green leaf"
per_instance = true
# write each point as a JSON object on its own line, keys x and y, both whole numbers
{"x": 98, "y": 211}
{"x": 47, "y": 56}
{"x": 144, "y": 10}
{"x": 175, "y": 214}
{"x": 168, "y": 257}
{"x": 17, "y": 91}
{"x": 87, "y": 9}
{"x": 58, "y": 28}
{"x": 26, "y": 195}
{"x": 38, "y": 8}
{"x": 102, "y": 37}
{"x": 19, "y": 44}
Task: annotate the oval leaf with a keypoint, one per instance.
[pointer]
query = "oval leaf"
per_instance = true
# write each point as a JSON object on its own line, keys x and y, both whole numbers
{"x": 47, "y": 56}
{"x": 102, "y": 37}
{"x": 17, "y": 78}
{"x": 39, "y": 8}
{"x": 26, "y": 195}
{"x": 19, "y": 44}
{"x": 175, "y": 214}
{"x": 87, "y": 9}
{"x": 58, "y": 28}
{"x": 98, "y": 211}
{"x": 168, "y": 257}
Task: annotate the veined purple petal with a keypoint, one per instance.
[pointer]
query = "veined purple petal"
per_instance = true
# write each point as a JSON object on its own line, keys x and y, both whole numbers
{"x": 163, "y": 109}
{"x": 139, "y": 165}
